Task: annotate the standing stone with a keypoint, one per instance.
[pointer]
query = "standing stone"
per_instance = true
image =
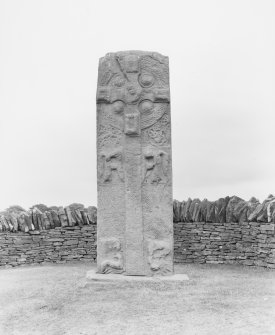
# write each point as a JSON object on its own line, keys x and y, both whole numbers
{"x": 176, "y": 210}
{"x": 46, "y": 221}
{"x": 84, "y": 216}
{"x": 92, "y": 214}
{"x": 50, "y": 219}
{"x": 135, "y": 207}
{"x": 55, "y": 218}
{"x": 69, "y": 216}
{"x": 62, "y": 217}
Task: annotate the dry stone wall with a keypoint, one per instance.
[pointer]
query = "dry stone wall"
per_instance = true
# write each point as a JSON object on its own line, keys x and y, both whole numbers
{"x": 227, "y": 231}
{"x": 41, "y": 217}
{"x": 58, "y": 245}
{"x": 246, "y": 243}
{"x": 47, "y": 234}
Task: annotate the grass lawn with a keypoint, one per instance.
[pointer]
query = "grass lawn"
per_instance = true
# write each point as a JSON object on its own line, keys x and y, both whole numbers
{"x": 55, "y": 299}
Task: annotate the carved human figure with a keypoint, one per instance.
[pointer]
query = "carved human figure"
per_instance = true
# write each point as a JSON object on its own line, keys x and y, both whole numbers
{"x": 113, "y": 257}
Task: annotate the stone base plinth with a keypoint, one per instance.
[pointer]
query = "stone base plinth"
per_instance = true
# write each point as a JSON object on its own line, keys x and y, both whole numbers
{"x": 93, "y": 277}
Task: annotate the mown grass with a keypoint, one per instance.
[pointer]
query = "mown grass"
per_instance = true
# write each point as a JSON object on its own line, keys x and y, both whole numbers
{"x": 56, "y": 299}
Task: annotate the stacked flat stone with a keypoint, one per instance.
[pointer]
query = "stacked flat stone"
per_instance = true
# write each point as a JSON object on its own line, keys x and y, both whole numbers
{"x": 227, "y": 231}
{"x": 58, "y": 245}
{"x": 229, "y": 209}
{"x": 38, "y": 219}
{"x": 246, "y": 243}
{"x": 43, "y": 235}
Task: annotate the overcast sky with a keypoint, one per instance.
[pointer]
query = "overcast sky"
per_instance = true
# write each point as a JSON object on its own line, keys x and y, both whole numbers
{"x": 222, "y": 75}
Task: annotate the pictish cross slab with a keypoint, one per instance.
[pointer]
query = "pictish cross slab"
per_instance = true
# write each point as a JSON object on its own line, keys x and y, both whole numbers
{"x": 135, "y": 228}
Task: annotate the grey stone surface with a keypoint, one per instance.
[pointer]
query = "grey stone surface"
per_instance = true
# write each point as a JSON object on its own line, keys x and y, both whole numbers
{"x": 135, "y": 209}
{"x": 93, "y": 276}
{"x": 245, "y": 243}
{"x": 62, "y": 244}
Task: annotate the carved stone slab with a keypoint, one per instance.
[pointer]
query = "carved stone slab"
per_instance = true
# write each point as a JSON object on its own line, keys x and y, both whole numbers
{"x": 135, "y": 209}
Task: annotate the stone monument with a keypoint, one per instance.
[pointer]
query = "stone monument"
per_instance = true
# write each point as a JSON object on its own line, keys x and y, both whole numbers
{"x": 135, "y": 209}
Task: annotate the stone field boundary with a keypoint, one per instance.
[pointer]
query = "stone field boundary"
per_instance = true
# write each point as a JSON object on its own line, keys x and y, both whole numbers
{"x": 227, "y": 231}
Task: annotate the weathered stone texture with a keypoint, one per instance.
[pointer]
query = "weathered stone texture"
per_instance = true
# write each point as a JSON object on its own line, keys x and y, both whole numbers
{"x": 227, "y": 231}
{"x": 246, "y": 243}
{"x": 229, "y": 209}
{"x": 135, "y": 223}
{"x": 57, "y": 245}
{"x": 36, "y": 220}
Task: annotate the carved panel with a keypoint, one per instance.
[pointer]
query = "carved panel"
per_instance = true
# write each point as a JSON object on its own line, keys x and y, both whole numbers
{"x": 158, "y": 256}
{"x": 112, "y": 256}
{"x": 132, "y": 123}
{"x": 110, "y": 165}
{"x": 158, "y": 133}
{"x": 155, "y": 166}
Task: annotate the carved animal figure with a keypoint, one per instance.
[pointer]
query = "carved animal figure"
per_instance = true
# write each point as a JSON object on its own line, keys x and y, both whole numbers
{"x": 156, "y": 166}
{"x": 158, "y": 250}
{"x": 111, "y": 162}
